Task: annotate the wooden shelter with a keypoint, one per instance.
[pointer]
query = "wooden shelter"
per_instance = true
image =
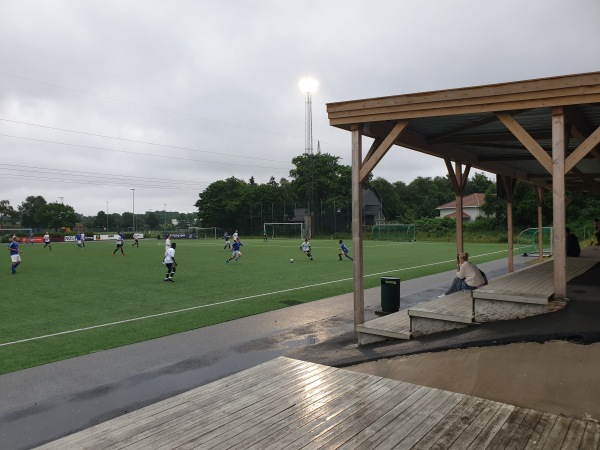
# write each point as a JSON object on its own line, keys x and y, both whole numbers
{"x": 545, "y": 132}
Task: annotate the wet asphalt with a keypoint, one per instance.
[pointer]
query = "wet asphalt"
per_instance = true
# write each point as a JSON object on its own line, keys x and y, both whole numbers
{"x": 44, "y": 403}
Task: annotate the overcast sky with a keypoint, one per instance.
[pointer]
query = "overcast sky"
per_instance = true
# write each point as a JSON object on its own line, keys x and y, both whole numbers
{"x": 99, "y": 97}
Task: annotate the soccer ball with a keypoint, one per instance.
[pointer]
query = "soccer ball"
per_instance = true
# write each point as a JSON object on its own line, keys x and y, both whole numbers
{"x": 292, "y": 260}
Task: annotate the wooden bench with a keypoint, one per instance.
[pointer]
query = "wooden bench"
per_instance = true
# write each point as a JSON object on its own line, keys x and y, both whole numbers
{"x": 396, "y": 325}
{"x": 442, "y": 314}
{"x": 526, "y": 292}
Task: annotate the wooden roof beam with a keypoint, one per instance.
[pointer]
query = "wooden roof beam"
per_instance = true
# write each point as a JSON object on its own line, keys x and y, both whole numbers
{"x": 527, "y": 140}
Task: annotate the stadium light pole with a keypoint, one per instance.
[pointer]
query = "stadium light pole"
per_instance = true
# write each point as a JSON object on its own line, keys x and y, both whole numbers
{"x": 107, "y": 216}
{"x": 133, "y": 192}
{"x": 308, "y": 86}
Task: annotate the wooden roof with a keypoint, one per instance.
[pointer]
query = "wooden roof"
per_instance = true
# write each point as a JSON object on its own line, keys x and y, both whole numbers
{"x": 504, "y": 128}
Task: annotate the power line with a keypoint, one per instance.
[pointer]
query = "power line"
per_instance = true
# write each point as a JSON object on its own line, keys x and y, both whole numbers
{"x": 111, "y": 177}
{"x": 228, "y": 163}
{"x": 146, "y": 106}
{"x": 139, "y": 142}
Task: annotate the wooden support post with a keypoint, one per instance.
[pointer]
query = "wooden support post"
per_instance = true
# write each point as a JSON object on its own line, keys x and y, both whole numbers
{"x": 558, "y": 203}
{"x": 509, "y": 190}
{"x": 540, "y": 197}
{"x": 357, "y": 247}
{"x": 459, "y": 180}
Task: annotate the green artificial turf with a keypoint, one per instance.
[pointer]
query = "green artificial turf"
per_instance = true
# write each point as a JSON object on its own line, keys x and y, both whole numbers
{"x": 67, "y": 302}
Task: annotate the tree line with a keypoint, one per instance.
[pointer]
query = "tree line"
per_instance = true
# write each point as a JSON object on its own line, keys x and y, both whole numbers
{"x": 320, "y": 186}
{"x": 36, "y": 213}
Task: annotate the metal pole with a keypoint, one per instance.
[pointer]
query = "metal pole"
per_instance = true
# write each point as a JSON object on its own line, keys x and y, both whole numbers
{"x": 107, "y": 216}
{"x": 165, "y": 227}
{"x": 133, "y": 192}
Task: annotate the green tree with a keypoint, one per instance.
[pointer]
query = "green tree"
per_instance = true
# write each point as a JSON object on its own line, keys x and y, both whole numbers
{"x": 222, "y": 203}
{"x": 479, "y": 183}
{"x": 319, "y": 177}
{"x": 152, "y": 221}
{"x": 56, "y": 215}
{"x": 29, "y": 211}
{"x": 6, "y": 210}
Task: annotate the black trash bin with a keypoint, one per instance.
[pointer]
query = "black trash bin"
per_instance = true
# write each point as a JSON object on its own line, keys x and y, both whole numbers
{"x": 390, "y": 294}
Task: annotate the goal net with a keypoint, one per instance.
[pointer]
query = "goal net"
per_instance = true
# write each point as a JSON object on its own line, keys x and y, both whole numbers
{"x": 399, "y": 232}
{"x": 528, "y": 242}
{"x": 25, "y": 235}
{"x": 206, "y": 233}
{"x": 290, "y": 230}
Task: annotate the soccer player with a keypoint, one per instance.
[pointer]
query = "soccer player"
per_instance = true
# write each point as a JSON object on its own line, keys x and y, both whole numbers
{"x": 83, "y": 239}
{"x": 170, "y": 262}
{"x": 78, "y": 240}
{"x": 227, "y": 243}
{"x": 235, "y": 236}
{"x": 344, "y": 251}
{"x": 47, "y": 241}
{"x": 120, "y": 239}
{"x": 236, "y": 254}
{"x": 168, "y": 242}
{"x": 305, "y": 247}
{"x": 136, "y": 242}
{"x": 264, "y": 234}
{"x": 15, "y": 257}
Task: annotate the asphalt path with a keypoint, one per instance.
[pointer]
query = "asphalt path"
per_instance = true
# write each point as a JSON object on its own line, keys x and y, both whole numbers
{"x": 44, "y": 403}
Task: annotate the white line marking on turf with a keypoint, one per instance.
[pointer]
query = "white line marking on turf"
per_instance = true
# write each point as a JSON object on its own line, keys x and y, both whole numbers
{"x": 167, "y": 313}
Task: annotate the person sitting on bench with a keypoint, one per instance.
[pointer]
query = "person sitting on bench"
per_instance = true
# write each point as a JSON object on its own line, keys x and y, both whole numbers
{"x": 469, "y": 276}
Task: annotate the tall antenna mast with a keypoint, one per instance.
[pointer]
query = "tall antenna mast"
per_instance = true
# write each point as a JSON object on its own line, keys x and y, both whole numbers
{"x": 308, "y": 86}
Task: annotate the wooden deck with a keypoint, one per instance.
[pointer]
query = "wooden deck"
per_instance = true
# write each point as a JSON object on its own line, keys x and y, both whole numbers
{"x": 291, "y": 404}
{"x": 534, "y": 284}
{"x": 519, "y": 294}
{"x": 396, "y": 325}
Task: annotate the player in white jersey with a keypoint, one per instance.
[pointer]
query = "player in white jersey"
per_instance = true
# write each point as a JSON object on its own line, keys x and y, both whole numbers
{"x": 170, "y": 262}
{"x": 305, "y": 247}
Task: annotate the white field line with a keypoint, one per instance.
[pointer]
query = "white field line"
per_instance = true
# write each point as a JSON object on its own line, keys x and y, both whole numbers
{"x": 192, "y": 308}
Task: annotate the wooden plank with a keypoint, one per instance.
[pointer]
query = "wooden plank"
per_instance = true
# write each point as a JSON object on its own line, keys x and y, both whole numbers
{"x": 178, "y": 405}
{"x": 343, "y": 416}
{"x": 525, "y": 430}
{"x": 591, "y": 436}
{"x": 558, "y": 432}
{"x": 506, "y": 432}
{"x": 341, "y": 432}
{"x": 397, "y": 424}
{"x": 485, "y": 436}
{"x": 420, "y": 431}
{"x": 480, "y": 422}
{"x": 540, "y": 88}
{"x": 574, "y": 435}
{"x": 540, "y": 434}
{"x": 305, "y": 405}
{"x": 306, "y": 422}
{"x": 202, "y": 427}
{"x": 451, "y": 424}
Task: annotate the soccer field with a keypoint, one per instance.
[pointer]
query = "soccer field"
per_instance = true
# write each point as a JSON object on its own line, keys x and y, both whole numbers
{"x": 69, "y": 302}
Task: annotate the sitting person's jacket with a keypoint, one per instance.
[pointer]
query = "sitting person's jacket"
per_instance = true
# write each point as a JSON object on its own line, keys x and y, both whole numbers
{"x": 471, "y": 274}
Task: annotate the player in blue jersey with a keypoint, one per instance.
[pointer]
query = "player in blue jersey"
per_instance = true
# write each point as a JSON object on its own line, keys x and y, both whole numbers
{"x": 344, "y": 251}
{"x": 236, "y": 254}
{"x": 78, "y": 240}
{"x": 227, "y": 243}
{"x": 15, "y": 256}
{"x": 120, "y": 239}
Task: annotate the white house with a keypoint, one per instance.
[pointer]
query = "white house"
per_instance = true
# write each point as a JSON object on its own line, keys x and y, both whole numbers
{"x": 472, "y": 207}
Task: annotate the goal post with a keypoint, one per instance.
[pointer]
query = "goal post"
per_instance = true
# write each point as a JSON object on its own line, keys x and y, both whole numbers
{"x": 288, "y": 230}
{"x": 25, "y": 235}
{"x": 399, "y": 232}
{"x": 207, "y": 232}
{"x": 528, "y": 242}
